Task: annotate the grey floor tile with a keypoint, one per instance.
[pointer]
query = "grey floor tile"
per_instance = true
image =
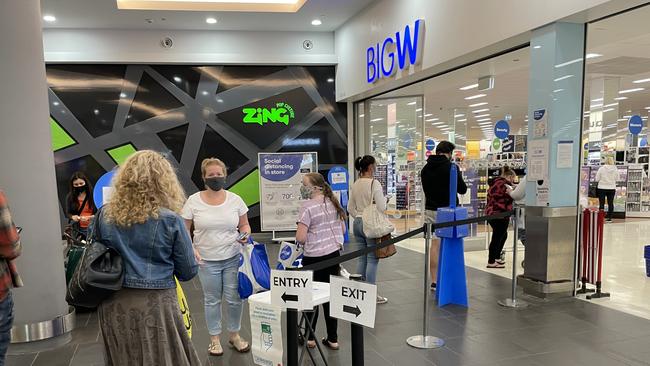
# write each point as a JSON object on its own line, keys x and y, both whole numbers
{"x": 88, "y": 354}
{"x": 57, "y": 357}
{"x": 20, "y": 360}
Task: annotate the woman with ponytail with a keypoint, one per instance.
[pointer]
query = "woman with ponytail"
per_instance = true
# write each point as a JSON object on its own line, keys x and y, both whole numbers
{"x": 321, "y": 224}
{"x": 364, "y": 191}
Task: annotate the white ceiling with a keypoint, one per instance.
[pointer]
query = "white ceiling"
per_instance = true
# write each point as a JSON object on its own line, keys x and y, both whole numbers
{"x": 104, "y": 14}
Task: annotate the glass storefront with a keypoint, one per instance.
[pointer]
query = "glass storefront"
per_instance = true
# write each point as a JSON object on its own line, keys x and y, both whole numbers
{"x": 616, "y": 105}
{"x": 401, "y": 129}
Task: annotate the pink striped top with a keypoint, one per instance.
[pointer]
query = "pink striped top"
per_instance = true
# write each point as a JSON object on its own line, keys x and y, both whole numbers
{"x": 325, "y": 230}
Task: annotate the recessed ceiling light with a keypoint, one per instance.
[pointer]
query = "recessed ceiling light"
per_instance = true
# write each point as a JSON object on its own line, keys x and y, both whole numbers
{"x": 620, "y": 98}
{"x": 630, "y": 90}
{"x": 376, "y": 119}
{"x": 419, "y": 110}
{"x": 259, "y": 6}
{"x": 469, "y": 87}
{"x": 478, "y": 104}
{"x": 608, "y": 110}
{"x": 316, "y": 22}
{"x": 122, "y": 95}
{"x": 55, "y": 103}
{"x": 177, "y": 79}
{"x": 330, "y": 80}
{"x": 641, "y": 81}
{"x": 459, "y": 115}
{"x": 558, "y": 90}
{"x": 484, "y": 120}
{"x": 204, "y": 92}
{"x": 475, "y": 96}
{"x": 428, "y": 115}
{"x": 211, "y": 20}
{"x": 362, "y": 115}
{"x": 462, "y": 120}
{"x": 537, "y": 47}
{"x": 411, "y": 103}
{"x": 593, "y": 55}
{"x": 219, "y": 100}
{"x": 482, "y": 115}
{"x": 432, "y": 119}
{"x": 481, "y": 110}
{"x": 49, "y": 18}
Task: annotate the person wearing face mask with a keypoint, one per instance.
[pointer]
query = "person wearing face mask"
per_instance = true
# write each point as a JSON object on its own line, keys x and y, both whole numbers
{"x": 218, "y": 220}
{"x": 321, "y": 224}
{"x": 363, "y": 192}
{"x": 435, "y": 184}
{"x": 80, "y": 207}
{"x": 499, "y": 200}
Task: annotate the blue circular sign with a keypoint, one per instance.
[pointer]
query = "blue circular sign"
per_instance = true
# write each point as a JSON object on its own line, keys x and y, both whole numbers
{"x": 635, "y": 124}
{"x": 430, "y": 145}
{"x": 502, "y": 129}
{"x": 102, "y": 186}
{"x": 338, "y": 178}
{"x": 643, "y": 142}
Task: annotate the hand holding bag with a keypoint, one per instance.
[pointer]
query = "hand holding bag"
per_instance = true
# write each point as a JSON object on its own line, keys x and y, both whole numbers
{"x": 375, "y": 223}
{"x": 99, "y": 274}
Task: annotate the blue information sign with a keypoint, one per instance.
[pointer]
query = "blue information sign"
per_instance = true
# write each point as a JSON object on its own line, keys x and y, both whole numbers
{"x": 502, "y": 129}
{"x": 635, "y": 124}
{"x": 430, "y": 145}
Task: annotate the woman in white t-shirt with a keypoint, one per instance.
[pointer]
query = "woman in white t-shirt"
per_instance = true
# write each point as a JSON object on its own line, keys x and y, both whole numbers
{"x": 218, "y": 219}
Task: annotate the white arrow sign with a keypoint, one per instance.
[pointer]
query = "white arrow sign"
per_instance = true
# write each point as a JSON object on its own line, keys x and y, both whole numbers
{"x": 292, "y": 289}
{"x": 353, "y": 301}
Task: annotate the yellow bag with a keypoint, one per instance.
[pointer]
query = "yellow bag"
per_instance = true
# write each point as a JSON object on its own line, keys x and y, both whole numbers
{"x": 185, "y": 310}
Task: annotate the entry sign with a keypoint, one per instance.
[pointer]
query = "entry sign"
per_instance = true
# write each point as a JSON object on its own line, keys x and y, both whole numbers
{"x": 292, "y": 289}
{"x": 635, "y": 124}
{"x": 353, "y": 301}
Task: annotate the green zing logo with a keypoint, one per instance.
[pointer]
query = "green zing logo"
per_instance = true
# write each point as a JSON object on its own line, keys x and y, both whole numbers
{"x": 282, "y": 113}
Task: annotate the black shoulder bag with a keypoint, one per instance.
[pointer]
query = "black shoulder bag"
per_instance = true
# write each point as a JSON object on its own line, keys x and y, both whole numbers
{"x": 99, "y": 274}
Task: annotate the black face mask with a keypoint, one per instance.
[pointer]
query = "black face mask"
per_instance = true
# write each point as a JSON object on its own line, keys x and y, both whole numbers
{"x": 79, "y": 190}
{"x": 215, "y": 183}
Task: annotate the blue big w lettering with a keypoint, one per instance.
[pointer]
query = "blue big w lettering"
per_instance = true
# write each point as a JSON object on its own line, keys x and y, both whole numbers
{"x": 381, "y": 57}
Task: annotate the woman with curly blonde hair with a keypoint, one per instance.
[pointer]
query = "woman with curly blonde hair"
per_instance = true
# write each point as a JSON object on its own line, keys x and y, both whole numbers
{"x": 142, "y": 323}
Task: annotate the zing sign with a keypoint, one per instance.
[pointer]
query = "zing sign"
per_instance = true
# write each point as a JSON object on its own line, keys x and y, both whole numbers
{"x": 282, "y": 113}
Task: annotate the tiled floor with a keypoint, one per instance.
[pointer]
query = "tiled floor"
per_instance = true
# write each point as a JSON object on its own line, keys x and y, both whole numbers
{"x": 562, "y": 332}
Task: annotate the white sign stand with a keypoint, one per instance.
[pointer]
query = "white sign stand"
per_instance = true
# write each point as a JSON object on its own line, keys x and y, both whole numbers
{"x": 292, "y": 289}
{"x": 353, "y": 301}
{"x": 266, "y": 333}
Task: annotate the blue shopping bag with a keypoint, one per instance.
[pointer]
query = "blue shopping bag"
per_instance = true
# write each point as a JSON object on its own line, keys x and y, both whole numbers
{"x": 254, "y": 269}
{"x": 289, "y": 256}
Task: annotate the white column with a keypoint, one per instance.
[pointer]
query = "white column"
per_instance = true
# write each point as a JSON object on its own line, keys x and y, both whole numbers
{"x": 27, "y": 162}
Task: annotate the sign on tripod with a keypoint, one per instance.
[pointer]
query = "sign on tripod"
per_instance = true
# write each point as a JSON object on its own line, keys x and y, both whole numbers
{"x": 292, "y": 289}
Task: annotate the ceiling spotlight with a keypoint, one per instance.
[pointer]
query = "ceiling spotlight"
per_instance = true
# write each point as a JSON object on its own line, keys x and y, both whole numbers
{"x": 316, "y": 22}
{"x": 177, "y": 79}
{"x": 478, "y": 104}
{"x": 49, "y": 18}
{"x": 330, "y": 80}
{"x": 211, "y": 20}
{"x": 122, "y": 95}
{"x": 55, "y": 103}
{"x": 469, "y": 87}
{"x": 475, "y": 96}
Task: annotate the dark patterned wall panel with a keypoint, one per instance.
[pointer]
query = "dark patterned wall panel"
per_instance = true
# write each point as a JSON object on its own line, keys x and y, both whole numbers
{"x": 174, "y": 139}
{"x": 150, "y": 100}
{"x": 190, "y": 134}
{"x": 90, "y": 93}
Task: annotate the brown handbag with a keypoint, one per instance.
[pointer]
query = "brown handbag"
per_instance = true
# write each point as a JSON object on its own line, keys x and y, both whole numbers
{"x": 387, "y": 251}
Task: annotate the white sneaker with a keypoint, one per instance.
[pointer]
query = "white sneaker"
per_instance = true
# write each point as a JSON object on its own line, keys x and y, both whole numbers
{"x": 381, "y": 300}
{"x": 344, "y": 273}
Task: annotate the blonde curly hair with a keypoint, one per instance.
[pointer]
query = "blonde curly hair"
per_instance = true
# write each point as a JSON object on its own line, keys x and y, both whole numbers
{"x": 144, "y": 184}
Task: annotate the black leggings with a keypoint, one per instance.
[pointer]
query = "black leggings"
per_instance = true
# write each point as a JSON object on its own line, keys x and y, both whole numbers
{"x": 608, "y": 194}
{"x": 324, "y": 276}
{"x": 499, "y": 237}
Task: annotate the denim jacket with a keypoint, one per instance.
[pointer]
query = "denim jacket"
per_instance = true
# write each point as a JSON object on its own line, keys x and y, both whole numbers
{"x": 153, "y": 252}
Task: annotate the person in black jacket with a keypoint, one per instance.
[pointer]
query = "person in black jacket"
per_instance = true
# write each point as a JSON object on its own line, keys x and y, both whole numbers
{"x": 435, "y": 183}
{"x": 80, "y": 205}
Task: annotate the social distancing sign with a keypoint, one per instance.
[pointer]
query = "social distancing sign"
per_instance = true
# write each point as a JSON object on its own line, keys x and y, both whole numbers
{"x": 353, "y": 301}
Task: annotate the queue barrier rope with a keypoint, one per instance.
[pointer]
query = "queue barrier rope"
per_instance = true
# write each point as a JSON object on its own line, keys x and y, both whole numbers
{"x": 352, "y": 255}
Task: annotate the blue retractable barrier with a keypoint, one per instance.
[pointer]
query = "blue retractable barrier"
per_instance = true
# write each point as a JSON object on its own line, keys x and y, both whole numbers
{"x": 451, "y": 287}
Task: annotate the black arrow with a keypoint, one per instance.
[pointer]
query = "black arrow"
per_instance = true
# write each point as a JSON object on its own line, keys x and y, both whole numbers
{"x": 286, "y": 297}
{"x": 352, "y": 310}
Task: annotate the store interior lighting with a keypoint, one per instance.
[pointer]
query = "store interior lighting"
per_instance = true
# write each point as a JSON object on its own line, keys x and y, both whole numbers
{"x": 262, "y": 6}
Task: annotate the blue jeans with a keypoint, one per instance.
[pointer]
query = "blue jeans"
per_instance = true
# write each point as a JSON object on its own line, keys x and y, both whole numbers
{"x": 367, "y": 264}
{"x": 6, "y": 322}
{"x": 219, "y": 279}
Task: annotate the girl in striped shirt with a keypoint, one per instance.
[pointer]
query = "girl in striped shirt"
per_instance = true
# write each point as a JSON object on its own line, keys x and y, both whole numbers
{"x": 321, "y": 224}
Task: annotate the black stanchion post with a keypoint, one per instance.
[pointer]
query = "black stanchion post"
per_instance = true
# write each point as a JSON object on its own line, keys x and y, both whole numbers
{"x": 356, "y": 333}
{"x": 292, "y": 337}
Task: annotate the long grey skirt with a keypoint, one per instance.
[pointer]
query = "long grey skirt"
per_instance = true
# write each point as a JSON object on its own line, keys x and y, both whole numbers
{"x": 145, "y": 327}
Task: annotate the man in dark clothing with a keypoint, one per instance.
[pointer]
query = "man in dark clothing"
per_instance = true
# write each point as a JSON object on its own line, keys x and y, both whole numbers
{"x": 435, "y": 183}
